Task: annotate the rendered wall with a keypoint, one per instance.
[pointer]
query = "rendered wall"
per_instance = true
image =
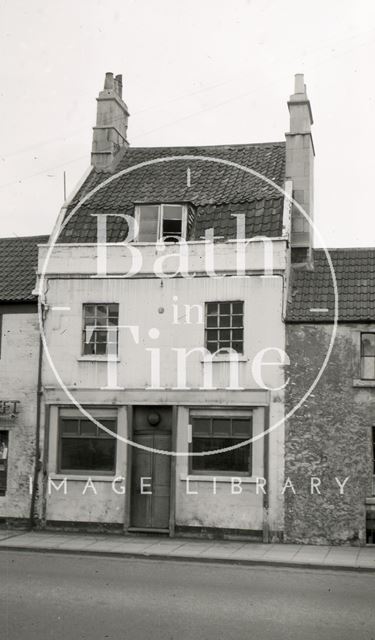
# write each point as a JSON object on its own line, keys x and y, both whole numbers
{"x": 328, "y": 438}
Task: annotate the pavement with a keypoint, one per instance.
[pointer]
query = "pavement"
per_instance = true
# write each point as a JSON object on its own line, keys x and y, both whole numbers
{"x": 196, "y": 550}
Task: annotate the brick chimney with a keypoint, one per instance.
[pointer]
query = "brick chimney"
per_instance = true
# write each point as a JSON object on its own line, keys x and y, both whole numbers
{"x": 300, "y": 169}
{"x": 111, "y": 123}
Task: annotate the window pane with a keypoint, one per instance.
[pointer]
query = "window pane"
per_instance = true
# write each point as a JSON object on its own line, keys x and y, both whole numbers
{"x": 110, "y": 424}
{"x": 113, "y": 310}
{"x": 101, "y": 336}
{"x": 237, "y": 307}
{"x": 212, "y": 308}
{"x": 69, "y": 426}
{"x": 229, "y": 461}
{"x": 201, "y": 426}
{"x": 224, "y": 335}
{"x": 368, "y": 368}
{"x": 368, "y": 344}
{"x": 241, "y": 427}
{"x": 88, "y": 454}
{"x": 88, "y": 428}
{"x": 237, "y": 321}
{"x": 225, "y": 321}
{"x": 212, "y": 321}
{"x": 172, "y": 212}
{"x": 148, "y": 223}
{"x": 172, "y": 230}
{"x": 212, "y": 347}
{"x": 100, "y": 348}
{"x": 224, "y": 307}
{"x": 212, "y": 335}
{"x": 88, "y": 348}
{"x": 221, "y": 427}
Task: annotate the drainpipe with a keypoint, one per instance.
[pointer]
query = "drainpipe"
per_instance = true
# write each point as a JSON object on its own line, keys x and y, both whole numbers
{"x": 39, "y": 394}
{"x": 266, "y": 532}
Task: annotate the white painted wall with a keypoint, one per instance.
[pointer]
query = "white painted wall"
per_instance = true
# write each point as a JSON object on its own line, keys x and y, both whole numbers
{"x": 18, "y": 381}
{"x": 146, "y": 302}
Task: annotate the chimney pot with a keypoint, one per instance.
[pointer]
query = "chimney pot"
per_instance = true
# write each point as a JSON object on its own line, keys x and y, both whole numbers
{"x": 299, "y": 85}
{"x": 108, "y": 82}
{"x": 119, "y": 84}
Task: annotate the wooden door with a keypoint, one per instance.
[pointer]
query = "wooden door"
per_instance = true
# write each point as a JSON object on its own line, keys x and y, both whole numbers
{"x": 150, "y": 503}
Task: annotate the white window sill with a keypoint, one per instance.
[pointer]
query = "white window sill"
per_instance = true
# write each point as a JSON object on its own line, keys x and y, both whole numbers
{"x": 225, "y": 357}
{"x": 363, "y": 383}
{"x": 79, "y": 478}
{"x": 225, "y": 479}
{"x": 103, "y": 358}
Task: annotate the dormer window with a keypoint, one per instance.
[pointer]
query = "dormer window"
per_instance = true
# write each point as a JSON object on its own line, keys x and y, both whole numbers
{"x": 165, "y": 222}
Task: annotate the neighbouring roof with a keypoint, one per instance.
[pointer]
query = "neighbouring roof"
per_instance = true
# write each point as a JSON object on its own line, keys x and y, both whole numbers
{"x": 18, "y": 264}
{"x": 313, "y": 289}
{"x": 216, "y": 190}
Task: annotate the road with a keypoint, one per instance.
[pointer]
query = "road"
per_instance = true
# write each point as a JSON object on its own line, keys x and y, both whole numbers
{"x": 66, "y": 597}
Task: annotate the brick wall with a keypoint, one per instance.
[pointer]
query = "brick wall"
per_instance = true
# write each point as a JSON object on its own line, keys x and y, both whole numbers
{"x": 330, "y": 436}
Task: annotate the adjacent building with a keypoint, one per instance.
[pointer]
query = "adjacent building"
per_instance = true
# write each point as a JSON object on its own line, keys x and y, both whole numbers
{"x": 331, "y": 437}
{"x": 21, "y": 404}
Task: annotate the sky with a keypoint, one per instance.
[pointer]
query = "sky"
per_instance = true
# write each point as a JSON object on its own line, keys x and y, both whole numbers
{"x": 197, "y": 72}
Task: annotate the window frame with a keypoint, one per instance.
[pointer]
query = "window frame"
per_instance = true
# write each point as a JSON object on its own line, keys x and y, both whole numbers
{"x": 363, "y": 357}
{"x": 85, "y": 472}
{"x": 4, "y": 462}
{"x": 83, "y": 337}
{"x": 160, "y": 207}
{"x": 230, "y": 328}
{"x": 246, "y": 416}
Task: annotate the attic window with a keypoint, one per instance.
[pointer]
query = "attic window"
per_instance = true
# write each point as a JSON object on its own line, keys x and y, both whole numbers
{"x": 160, "y": 222}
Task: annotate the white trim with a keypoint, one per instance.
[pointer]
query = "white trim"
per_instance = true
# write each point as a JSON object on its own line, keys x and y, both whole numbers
{"x": 119, "y": 244}
{"x": 287, "y": 209}
{"x": 98, "y": 358}
{"x": 184, "y": 477}
{"x": 98, "y": 412}
{"x": 225, "y": 357}
{"x": 81, "y": 478}
{"x": 232, "y": 412}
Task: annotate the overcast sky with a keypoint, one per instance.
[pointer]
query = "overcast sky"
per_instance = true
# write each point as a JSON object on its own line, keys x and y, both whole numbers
{"x": 196, "y": 72}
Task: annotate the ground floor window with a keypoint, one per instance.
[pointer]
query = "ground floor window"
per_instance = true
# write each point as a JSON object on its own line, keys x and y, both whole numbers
{"x": 4, "y": 439}
{"x": 86, "y": 448}
{"x": 210, "y": 433}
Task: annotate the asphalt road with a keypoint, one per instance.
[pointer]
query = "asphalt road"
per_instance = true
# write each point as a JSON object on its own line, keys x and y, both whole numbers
{"x": 62, "y": 597}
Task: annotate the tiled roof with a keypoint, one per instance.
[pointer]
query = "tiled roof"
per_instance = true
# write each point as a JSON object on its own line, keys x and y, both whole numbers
{"x": 355, "y": 275}
{"x": 211, "y": 185}
{"x": 18, "y": 263}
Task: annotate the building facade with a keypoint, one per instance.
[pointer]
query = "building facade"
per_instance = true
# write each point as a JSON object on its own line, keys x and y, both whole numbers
{"x": 190, "y": 356}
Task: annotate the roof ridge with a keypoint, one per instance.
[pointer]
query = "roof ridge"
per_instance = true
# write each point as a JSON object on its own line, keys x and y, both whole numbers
{"x": 41, "y": 235}
{"x": 209, "y": 146}
{"x": 344, "y": 249}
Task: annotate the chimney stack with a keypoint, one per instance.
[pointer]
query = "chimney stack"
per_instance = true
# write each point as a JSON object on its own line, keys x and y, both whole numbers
{"x": 111, "y": 123}
{"x": 300, "y": 169}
